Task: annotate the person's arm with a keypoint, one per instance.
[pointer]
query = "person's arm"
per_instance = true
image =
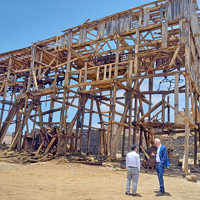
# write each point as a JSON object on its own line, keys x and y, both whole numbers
{"x": 164, "y": 156}
{"x": 126, "y": 162}
{"x": 138, "y": 163}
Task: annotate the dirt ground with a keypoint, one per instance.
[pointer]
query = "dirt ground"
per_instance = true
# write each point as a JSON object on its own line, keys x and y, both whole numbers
{"x": 56, "y": 180}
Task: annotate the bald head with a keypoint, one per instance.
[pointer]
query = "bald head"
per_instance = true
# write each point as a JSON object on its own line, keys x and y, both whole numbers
{"x": 157, "y": 142}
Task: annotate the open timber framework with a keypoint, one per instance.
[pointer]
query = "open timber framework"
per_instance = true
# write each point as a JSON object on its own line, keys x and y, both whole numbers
{"x": 78, "y": 80}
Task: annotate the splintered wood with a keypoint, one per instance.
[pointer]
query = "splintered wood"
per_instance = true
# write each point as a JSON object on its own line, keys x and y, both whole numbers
{"x": 119, "y": 77}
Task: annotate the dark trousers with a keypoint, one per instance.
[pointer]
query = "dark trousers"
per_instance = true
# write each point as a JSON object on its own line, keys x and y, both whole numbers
{"x": 160, "y": 171}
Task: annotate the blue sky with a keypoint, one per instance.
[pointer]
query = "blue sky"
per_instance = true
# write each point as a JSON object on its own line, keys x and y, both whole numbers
{"x": 26, "y": 21}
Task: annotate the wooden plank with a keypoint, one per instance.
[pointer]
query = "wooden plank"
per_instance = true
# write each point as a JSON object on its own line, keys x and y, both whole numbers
{"x": 136, "y": 52}
{"x": 50, "y": 144}
{"x": 9, "y": 119}
{"x": 105, "y": 71}
{"x": 105, "y": 143}
{"x": 33, "y": 73}
{"x": 174, "y": 56}
{"x": 39, "y": 149}
{"x": 66, "y": 83}
{"x": 164, "y": 34}
{"x": 187, "y": 112}
{"x": 116, "y": 59}
{"x": 19, "y": 133}
{"x": 130, "y": 69}
{"x": 98, "y": 72}
{"x": 116, "y": 137}
{"x": 163, "y": 108}
{"x": 146, "y": 16}
{"x": 90, "y": 124}
{"x": 196, "y": 131}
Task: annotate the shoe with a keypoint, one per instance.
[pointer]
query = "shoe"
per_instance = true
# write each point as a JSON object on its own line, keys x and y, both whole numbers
{"x": 136, "y": 195}
{"x": 156, "y": 191}
{"x": 160, "y": 194}
{"x": 127, "y": 193}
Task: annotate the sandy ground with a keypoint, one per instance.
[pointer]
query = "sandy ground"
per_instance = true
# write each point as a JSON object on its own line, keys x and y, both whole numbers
{"x": 56, "y": 180}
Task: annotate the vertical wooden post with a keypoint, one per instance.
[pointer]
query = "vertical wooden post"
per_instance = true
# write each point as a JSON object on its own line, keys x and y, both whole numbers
{"x": 136, "y": 62}
{"x": 135, "y": 114}
{"x": 53, "y": 97}
{"x": 130, "y": 69}
{"x": 128, "y": 98}
{"x": 113, "y": 103}
{"x": 150, "y": 96}
{"x": 129, "y": 121}
{"x": 176, "y": 97}
{"x": 187, "y": 112}
{"x": 103, "y": 129}
{"x": 135, "y": 120}
{"x": 98, "y": 73}
{"x": 134, "y": 135}
{"x": 82, "y": 125}
{"x": 33, "y": 67}
{"x": 123, "y": 141}
{"x": 146, "y": 139}
{"x": 164, "y": 34}
{"x": 136, "y": 51}
{"x": 80, "y": 75}
{"x": 196, "y": 131}
{"x": 199, "y": 133}
{"x": 19, "y": 132}
{"x": 90, "y": 124}
{"x": 105, "y": 71}
{"x": 39, "y": 109}
{"x": 187, "y": 128}
{"x": 85, "y": 71}
{"x": 18, "y": 124}
{"x": 163, "y": 108}
{"x": 168, "y": 109}
{"x": 187, "y": 93}
{"x": 116, "y": 59}
{"x": 141, "y": 138}
{"x": 63, "y": 113}
{"x": 110, "y": 71}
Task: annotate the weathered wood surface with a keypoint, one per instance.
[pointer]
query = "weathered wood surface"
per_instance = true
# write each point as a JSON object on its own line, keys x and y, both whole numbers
{"x": 122, "y": 70}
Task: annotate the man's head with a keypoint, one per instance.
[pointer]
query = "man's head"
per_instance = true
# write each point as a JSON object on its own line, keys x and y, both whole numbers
{"x": 157, "y": 142}
{"x": 134, "y": 148}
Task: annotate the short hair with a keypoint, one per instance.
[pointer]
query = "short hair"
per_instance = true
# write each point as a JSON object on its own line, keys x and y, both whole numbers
{"x": 133, "y": 147}
{"x": 157, "y": 140}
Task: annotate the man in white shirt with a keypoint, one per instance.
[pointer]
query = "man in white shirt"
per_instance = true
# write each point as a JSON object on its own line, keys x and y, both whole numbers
{"x": 133, "y": 169}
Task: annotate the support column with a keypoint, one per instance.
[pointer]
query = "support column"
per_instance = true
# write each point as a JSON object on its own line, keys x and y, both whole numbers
{"x": 112, "y": 119}
{"x": 187, "y": 112}
{"x": 176, "y": 97}
{"x": 123, "y": 142}
{"x": 196, "y": 131}
{"x": 90, "y": 125}
{"x": 141, "y": 139}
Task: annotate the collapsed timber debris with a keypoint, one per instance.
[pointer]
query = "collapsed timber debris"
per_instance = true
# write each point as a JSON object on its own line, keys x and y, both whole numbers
{"x": 125, "y": 75}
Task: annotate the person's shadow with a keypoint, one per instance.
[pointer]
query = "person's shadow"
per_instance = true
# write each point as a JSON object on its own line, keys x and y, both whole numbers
{"x": 166, "y": 194}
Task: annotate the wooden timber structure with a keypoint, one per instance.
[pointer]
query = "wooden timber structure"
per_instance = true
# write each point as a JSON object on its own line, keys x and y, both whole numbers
{"x": 123, "y": 75}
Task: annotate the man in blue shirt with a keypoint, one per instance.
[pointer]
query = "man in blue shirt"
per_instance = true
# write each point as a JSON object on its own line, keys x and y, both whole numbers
{"x": 162, "y": 162}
